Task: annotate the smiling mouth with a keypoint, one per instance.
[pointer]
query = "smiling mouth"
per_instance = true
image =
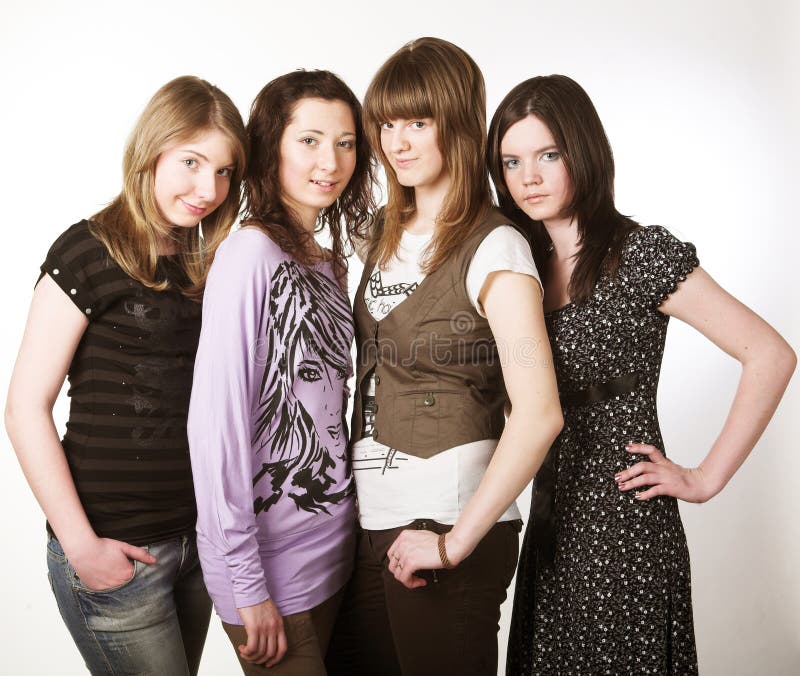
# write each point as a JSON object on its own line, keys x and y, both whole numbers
{"x": 325, "y": 185}
{"x": 192, "y": 209}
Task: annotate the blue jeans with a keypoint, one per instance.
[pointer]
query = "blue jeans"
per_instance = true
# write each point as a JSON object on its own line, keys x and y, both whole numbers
{"x": 155, "y": 623}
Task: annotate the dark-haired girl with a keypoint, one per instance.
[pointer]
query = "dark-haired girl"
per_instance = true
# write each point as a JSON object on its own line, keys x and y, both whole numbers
{"x": 603, "y": 583}
{"x": 275, "y": 495}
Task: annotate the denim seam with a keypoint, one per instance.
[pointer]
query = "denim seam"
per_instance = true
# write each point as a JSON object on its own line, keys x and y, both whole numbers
{"x": 89, "y": 630}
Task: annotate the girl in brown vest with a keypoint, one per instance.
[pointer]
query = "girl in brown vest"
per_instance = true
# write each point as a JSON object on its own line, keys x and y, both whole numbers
{"x": 603, "y": 583}
{"x": 449, "y": 323}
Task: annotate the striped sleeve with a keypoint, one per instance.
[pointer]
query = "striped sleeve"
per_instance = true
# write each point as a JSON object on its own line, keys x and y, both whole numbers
{"x": 77, "y": 262}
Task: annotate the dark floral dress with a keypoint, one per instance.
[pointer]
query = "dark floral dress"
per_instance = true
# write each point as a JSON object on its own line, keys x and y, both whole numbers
{"x": 603, "y": 584}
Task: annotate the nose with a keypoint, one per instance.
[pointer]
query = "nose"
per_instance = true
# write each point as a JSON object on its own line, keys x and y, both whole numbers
{"x": 398, "y": 141}
{"x": 531, "y": 174}
{"x": 326, "y": 158}
{"x": 206, "y": 186}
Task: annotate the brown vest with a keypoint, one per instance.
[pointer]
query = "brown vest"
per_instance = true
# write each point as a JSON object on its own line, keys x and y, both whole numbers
{"x": 438, "y": 381}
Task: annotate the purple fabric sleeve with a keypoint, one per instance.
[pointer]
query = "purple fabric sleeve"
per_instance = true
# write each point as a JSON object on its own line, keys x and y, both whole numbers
{"x": 220, "y": 415}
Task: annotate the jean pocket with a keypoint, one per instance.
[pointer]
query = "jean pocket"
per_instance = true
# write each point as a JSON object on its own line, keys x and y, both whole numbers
{"x": 79, "y": 585}
{"x": 54, "y": 550}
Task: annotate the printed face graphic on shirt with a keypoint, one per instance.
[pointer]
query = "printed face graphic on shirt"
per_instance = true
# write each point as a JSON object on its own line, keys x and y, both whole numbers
{"x": 299, "y": 423}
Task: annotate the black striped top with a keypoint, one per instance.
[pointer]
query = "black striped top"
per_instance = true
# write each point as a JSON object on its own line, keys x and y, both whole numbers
{"x": 129, "y": 383}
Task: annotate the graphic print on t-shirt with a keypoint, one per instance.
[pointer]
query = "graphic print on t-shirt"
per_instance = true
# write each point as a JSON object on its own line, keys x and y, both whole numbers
{"x": 306, "y": 351}
{"x": 381, "y": 299}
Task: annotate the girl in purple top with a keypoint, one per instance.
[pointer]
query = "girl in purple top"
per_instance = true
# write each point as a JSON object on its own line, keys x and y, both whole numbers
{"x": 274, "y": 489}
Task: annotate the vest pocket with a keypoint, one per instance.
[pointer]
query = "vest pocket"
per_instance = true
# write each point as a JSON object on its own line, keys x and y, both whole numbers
{"x": 429, "y": 417}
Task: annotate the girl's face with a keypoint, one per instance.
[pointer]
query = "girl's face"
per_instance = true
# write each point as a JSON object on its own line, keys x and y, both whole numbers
{"x": 319, "y": 379}
{"x": 193, "y": 178}
{"x": 534, "y": 171}
{"x": 412, "y": 148}
{"x": 317, "y": 156}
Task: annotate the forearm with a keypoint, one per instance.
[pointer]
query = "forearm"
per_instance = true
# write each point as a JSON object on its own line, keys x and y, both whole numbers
{"x": 762, "y": 384}
{"x": 41, "y": 456}
{"x": 520, "y": 452}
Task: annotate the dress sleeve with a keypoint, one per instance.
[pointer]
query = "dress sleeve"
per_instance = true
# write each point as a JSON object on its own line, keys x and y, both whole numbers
{"x": 76, "y": 262}
{"x": 654, "y": 262}
{"x": 504, "y": 248}
{"x": 220, "y": 413}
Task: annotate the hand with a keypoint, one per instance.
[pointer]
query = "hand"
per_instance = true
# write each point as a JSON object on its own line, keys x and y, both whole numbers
{"x": 266, "y": 639}
{"x": 663, "y": 477}
{"x": 103, "y": 563}
{"x": 415, "y": 550}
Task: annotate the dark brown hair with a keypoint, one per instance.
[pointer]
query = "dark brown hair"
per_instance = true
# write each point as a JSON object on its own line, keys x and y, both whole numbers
{"x": 132, "y": 226}
{"x": 264, "y": 207}
{"x": 562, "y": 104}
{"x": 430, "y": 77}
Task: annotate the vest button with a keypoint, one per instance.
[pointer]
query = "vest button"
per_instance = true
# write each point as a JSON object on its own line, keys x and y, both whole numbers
{"x": 377, "y": 380}
{"x": 429, "y": 400}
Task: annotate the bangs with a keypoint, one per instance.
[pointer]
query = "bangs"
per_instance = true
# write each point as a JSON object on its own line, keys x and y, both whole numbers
{"x": 398, "y": 91}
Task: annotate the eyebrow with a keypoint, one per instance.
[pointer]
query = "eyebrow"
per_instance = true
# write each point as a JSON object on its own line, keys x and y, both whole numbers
{"x": 552, "y": 146}
{"x": 194, "y": 152}
{"x": 322, "y": 133}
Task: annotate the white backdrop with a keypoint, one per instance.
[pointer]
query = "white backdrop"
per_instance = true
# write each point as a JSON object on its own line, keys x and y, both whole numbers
{"x": 700, "y": 101}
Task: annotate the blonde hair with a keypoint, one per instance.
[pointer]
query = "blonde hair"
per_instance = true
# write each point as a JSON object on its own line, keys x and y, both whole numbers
{"x": 132, "y": 225}
{"x": 430, "y": 77}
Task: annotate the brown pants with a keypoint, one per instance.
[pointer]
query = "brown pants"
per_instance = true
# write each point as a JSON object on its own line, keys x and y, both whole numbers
{"x": 307, "y": 637}
{"x": 447, "y": 627}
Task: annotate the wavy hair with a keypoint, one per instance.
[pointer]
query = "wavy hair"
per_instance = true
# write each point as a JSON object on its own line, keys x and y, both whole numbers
{"x": 132, "y": 225}
{"x": 563, "y": 105}
{"x": 264, "y": 205}
{"x": 433, "y": 78}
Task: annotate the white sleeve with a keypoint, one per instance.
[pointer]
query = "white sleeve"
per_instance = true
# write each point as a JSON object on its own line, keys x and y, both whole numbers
{"x": 504, "y": 248}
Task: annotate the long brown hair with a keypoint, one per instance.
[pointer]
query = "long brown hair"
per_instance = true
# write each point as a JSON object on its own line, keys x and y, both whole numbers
{"x": 132, "y": 226}
{"x": 562, "y": 104}
{"x": 264, "y": 206}
{"x": 430, "y": 77}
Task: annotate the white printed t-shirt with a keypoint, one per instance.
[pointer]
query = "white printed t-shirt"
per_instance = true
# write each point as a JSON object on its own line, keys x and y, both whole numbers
{"x": 395, "y": 488}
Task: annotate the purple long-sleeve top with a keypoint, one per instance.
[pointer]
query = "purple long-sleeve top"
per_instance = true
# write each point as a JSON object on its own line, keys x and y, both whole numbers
{"x": 267, "y": 436}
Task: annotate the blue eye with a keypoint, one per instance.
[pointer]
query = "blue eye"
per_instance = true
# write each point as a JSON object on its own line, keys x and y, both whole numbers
{"x": 227, "y": 171}
{"x": 511, "y": 163}
{"x": 190, "y": 162}
{"x": 551, "y": 156}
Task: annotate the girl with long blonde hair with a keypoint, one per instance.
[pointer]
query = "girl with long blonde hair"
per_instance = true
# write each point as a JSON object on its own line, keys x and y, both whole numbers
{"x": 116, "y": 311}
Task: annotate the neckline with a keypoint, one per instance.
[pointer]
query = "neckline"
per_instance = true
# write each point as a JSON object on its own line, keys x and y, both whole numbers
{"x": 417, "y": 236}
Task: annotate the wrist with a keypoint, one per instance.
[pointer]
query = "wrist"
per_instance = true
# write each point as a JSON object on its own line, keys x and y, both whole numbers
{"x": 711, "y": 480}
{"x": 76, "y": 544}
{"x": 455, "y": 547}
